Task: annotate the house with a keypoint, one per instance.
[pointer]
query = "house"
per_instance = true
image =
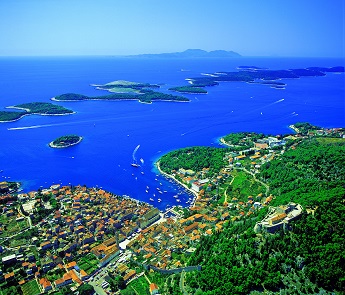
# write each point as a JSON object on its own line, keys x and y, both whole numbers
{"x": 129, "y": 275}
{"x": 70, "y": 265}
{"x": 149, "y": 218}
{"x": 154, "y": 289}
{"x": 65, "y": 280}
{"x": 191, "y": 227}
{"x": 9, "y": 259}
{"x": 9, "y": 276}
{"x": 277, "y": 218}
{"x": 261, "y": 146}
{"x": 196, "y": 186}
{"x": 45, "y": 285}
{"x": 46, "y": 245}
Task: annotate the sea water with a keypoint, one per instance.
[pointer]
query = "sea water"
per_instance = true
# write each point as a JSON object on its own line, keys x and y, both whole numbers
{"x": 113, "y": 129}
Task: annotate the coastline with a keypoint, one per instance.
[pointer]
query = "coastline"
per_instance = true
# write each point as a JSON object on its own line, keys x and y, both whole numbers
{"x": 186, "y": 92}
{"x": 122, "y": 99}
{"x": 66, "y": 146}
{"x": 29, "y": 113}
{"x": 222, "y": 141}
{"x": 292, "y": 126}
{"x": 15, "y": 119}
{"x": 157, "y": 164}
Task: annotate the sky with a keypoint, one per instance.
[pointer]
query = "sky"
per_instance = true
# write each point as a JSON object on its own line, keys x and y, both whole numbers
{"x": 296, "y": 28}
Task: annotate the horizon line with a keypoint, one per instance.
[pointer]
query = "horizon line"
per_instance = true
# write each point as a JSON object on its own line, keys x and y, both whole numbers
{"x": 141, "y": 55}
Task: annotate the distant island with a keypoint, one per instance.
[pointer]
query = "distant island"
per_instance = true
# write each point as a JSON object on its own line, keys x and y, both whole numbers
{"x": 65, "y": 141}
{"x": 33, "y": 108}
{"x": 122, "y": 86}
{"x": 192, "y": 53}
{"x": 252, "y": 74}
{"x": 125, "y": 90}
{"x": 189, "y": 89}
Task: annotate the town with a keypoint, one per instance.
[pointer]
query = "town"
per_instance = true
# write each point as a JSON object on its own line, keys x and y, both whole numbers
{"x": 62, "y": 237}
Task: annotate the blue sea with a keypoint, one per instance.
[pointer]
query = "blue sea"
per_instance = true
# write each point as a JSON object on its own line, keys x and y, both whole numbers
{"x": 113, "y": 129}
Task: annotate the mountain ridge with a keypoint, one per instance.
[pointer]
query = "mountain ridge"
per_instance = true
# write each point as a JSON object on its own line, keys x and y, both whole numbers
{"x": 191, "y": 53}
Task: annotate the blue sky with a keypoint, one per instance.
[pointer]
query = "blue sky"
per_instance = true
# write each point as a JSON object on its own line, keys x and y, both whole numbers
{"x": 115, "y": 27}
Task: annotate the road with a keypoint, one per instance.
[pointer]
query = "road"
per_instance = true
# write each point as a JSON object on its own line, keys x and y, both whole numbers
{"x": 182, "y": 287}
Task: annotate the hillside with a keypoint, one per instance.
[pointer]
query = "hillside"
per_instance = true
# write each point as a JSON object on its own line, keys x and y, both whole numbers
{"x": 309, "y": 258}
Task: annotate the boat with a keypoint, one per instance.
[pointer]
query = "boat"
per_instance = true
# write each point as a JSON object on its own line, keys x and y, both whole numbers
{"x": 152, "y": 200}
{"x": 159, "y": 200}
{"x": 175, "y": 196}
{"x": 142, "y": 172}
{"x": 142, "y": 160}
{"x": 146, "y": 191}
{"x": 134, "y": 163}
{"x": 178, "y": 200}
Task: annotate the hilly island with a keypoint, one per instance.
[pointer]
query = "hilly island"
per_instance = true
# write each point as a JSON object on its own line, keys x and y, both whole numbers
{"x": 33, "y": 108}
{"x": 264, "y": 217}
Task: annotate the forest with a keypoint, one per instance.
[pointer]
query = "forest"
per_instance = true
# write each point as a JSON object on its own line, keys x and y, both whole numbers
{"x": 147, "y": 96}
{"x": 194, "y": 158}
{"x": 310, "y": 174}
{"x": 66, "y": 140}
{"x": 305, "y": 127}
{"x": 10, "y": 116}
{"x": 44, "y": 108}
{"x": 307, "y": 259}
{"x": 243, "y": 139}
{"x": 33, "y": 108}
{"x": 189, "y": 89}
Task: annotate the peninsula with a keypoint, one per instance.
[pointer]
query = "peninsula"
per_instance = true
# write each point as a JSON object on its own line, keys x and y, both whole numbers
{"x": 65, "y": 141}
{"x": 33, "y": 108}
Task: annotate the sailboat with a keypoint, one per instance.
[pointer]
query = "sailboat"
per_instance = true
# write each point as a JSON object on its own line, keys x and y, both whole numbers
{"x": 134, "y": 163}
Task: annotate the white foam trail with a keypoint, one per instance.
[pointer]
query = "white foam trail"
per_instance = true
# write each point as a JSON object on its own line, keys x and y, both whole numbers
{"x": 28, "y": 127}
{"x": 280, "y": 100}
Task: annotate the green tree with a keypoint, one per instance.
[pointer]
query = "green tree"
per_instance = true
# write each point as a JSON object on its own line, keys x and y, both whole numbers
{"x": 86, "y": 289}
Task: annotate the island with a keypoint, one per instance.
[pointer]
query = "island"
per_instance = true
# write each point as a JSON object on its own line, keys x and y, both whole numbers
{"x": 264, "y": 216}
{"x": 123, "y": 86}
{"x": 253, "y": 74}
{"x": 145, "y": 96}
{"x": 193, "y": 53}
{"x": 33, "y": 108}
{"x": 189, "y": 89}
{"x": 66, "y": 141}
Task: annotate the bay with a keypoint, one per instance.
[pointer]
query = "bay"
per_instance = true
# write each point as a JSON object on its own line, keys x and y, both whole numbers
{"x": 112, "y": 129}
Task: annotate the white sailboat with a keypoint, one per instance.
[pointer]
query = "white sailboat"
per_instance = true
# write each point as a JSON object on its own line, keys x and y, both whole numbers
{"x": 134, "y": 163}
